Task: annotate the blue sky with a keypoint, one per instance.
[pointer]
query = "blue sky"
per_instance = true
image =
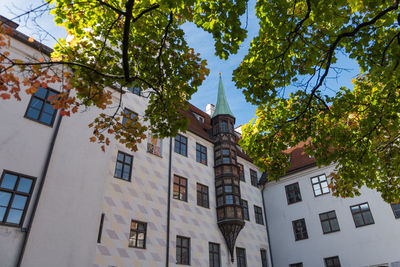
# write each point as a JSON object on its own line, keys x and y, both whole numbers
{"x": 202, "y": 43}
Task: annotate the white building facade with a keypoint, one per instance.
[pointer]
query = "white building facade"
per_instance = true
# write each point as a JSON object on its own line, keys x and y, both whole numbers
{"x": 64, "y": 202}
{"x": 310, "y": 227}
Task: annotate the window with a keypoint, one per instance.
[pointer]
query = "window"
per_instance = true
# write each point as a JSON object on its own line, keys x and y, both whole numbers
{"x": 202, "y": 195}
{"x": 154, "y": 145}
{"x": 100, "y": 228}
{"x": 253, "y": 177}
{"x": 299, "y": 264}
{"x": 180, "y": 188}
{"x": 123, "y": 168}
{"x": 320, "y": 185}
{"x": 332, "y": 262}
{"x": 396, "y": 209}
{"x": 329, "y": 222}
{"x": 300, "y": 229}
{"x": 293, "y": 193}
{"x": 128, "y": 115}
{"x": 241, "y": 257}
{"x": 214, "y": 254}
{"x": 40, "y": 108}
{"x": 135, "y": 89}
{"x": 182, "y": 250}
{"x": 137, "y": 236}
{"x": 198, "y": 117}
{"x": 181, "y": 145}
{"x": 245, "y": 206}
{"x": 15, "y": 192}
{"x": 258, "y": 214}
{"x": 201, "y": 154}
{"x": 263, "y": 254}
{"x": 241, "y": 172}
{"x": 362, "y": 214}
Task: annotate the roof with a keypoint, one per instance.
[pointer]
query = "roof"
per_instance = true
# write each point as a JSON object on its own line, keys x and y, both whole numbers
{"x": 202, "y": 129}
{"x": 222, "y": 107}
{"x": 299, "y": 160}
{"x": 24, "y": 38}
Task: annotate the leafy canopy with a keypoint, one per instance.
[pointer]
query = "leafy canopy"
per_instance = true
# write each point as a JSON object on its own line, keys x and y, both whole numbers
{"x": 125, "y": 43}
{"x": 358, "y": 128}
{"x": 122, "y": 44}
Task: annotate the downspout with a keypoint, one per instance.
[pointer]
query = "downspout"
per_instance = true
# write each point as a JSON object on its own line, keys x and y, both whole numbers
{"x": 168, "y": 201}
{"x": 266, "y": 226}
{"x": 42, "y": 180}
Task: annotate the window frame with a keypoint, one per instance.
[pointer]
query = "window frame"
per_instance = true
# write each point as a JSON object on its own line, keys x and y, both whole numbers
{"x": 154, "y": 149}
{"x": 319, "y": 183}
{"x": 241, "y": 172}
{"x": 362, "y": 215}
{"x": 179, "y": 143}
{"x": 14, "y": 192}
{"x": 258, "y": 215}
{"x": 123, "y": 166}
{"x": 181, "y": 247}
{"x": 137, "y": 231}
{"x": 298, "y": 264}
{"x": 201, "y": 153}
{"x": 179, "y": 188}
{"x": 396, "y": 209}
{"x": 240, "y": 256}
{"x": 202, "y": 193}
{"x": 253, "y": 177}
{"x": 294, "y": 190}
{"x": 45, "y": 100}
{"x": 329, "y": 221}
{"x": 245, "y": 209}
{"x": 264, "y": 257}
{"x": 304, "y": 233}
{"x": 126, "y": 112}
{"x": 332, "y": 258}
{"x": 214, "y": 254}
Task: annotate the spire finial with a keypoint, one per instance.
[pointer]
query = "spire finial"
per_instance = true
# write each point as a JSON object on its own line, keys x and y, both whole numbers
{"x": 219, "y": 74}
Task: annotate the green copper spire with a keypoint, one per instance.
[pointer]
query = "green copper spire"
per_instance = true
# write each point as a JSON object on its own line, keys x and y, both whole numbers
{"x": 222, "y": 107}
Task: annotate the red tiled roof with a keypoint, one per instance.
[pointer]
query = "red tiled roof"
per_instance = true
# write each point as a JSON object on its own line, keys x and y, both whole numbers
{"x": 298, "y": 158}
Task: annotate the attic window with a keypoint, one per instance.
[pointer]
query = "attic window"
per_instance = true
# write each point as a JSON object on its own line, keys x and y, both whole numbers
{"x": 198, "y": 117}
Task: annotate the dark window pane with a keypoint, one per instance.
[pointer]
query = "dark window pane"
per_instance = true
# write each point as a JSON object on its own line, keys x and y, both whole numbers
{"x": 14, "y": 216}
{"x": 2, "y": 213}
{"x": 19, "y": 202}
{"x": 9, "y": 181}
{"x": 24, "y": 185}
{"x": 46, "y": 118}
{"x": 4, "y": 198}
{"x": 33, "y": 113}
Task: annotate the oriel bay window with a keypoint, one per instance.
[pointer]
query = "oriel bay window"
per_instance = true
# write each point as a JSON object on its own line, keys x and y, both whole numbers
{"x": 228, "y": 198}
{"x": 225, "y": 155}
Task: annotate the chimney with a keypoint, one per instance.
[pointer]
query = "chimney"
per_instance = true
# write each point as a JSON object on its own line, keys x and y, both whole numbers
{"x": 210, "y": 108}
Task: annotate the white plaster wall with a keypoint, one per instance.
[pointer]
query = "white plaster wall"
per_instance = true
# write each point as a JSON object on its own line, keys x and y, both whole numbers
{"x": 362, "y": 246}
{"x": 23, "y": 147}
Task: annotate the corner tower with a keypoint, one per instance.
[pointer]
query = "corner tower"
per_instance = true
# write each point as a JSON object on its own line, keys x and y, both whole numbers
{"x": 227, "y": 183}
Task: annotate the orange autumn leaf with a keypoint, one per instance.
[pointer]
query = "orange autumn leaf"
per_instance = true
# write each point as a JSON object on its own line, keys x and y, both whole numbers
{"x": 31, "y": 39}
{"x": 5, "y": 96}
{"x": 92, "y": 139}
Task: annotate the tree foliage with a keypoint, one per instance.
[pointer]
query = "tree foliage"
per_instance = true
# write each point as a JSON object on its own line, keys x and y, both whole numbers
{"x": 356, "y": 128}
{"x": 124, "y": 43}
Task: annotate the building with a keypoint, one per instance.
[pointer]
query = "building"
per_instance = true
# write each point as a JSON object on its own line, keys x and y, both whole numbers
{"x": 63, "y": 202}
{"x": 189, "y": 200}
{"x": 310, "y": 227}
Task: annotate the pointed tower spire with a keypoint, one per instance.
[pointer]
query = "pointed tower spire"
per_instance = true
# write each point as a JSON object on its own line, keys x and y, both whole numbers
{"x": 222, "y": 107}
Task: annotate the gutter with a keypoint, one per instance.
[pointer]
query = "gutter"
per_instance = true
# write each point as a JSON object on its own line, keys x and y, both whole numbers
{"x": 266, "y": 226}
{"x": 42, "y": 180}
{"x": 168, "y": 201}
